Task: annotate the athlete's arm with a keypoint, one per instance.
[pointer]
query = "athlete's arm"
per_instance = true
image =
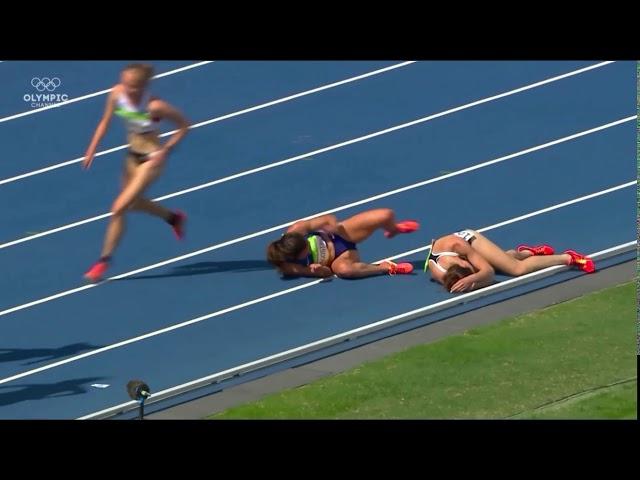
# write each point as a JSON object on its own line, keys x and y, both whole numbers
{"x": 484, "y": 271}
{"x": 101, "y": 128}
{"x": 313, "y": 270}
{"x": 163, "y": 110}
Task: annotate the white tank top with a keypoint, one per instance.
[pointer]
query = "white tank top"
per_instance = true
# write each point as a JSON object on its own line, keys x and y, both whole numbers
{"x": 137, "y": 119}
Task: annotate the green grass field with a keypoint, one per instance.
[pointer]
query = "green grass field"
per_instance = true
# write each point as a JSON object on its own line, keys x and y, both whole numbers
{"x": 611, "y": 402}
{"x": 560, "y": 362}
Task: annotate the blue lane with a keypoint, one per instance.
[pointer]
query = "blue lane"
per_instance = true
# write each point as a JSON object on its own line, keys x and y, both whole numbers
{"x": 239, "y": 273}
{"x": 306, "y": 124}
{"x": 367, "y": 168}
{"x": 266, "y": 328}
{"x": 62, "y": 134}
{"x": 77, "y": 79}
{"x": 283, "y": 131}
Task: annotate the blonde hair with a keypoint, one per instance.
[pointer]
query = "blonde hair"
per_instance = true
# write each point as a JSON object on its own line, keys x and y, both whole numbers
{"x": 144, "y": 70}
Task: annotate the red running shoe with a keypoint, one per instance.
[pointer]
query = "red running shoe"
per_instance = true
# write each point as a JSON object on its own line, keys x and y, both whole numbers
{"x": 399, "y": 268}
{"x": 582, "y": 262}
{"x": 96, "y": 272}
{"x": 406, "y": 226}
{"x": 539, "y": 250}
{"x": 178, "y": 226}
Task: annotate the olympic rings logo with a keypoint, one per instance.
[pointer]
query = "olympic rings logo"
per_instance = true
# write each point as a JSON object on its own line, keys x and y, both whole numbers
{"x": 45, "y": 83}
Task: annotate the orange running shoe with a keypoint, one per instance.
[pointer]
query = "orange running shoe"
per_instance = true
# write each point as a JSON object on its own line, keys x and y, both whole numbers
{"x": 539, "y": 250}
{"x": 406, "y": 226}
{"x": 582, "y": 262}
{"x": 399, "y": 268}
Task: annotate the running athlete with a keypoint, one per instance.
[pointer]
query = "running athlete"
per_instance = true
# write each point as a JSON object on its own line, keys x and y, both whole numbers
{"x": 131, "y": 100}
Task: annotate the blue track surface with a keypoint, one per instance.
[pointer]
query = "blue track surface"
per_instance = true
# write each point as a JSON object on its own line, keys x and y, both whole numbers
{"x": 232, "y": 274}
